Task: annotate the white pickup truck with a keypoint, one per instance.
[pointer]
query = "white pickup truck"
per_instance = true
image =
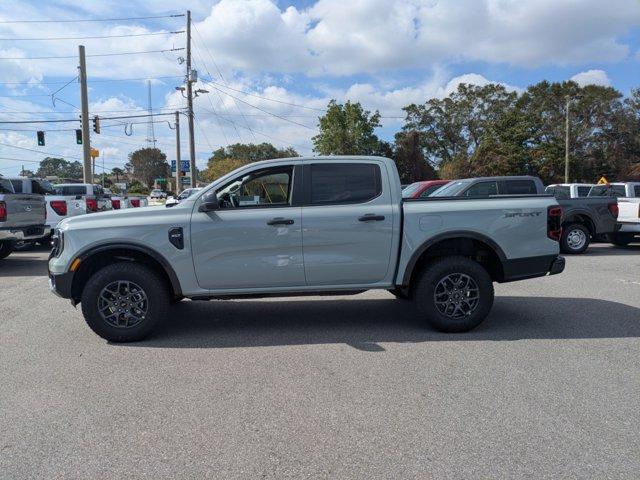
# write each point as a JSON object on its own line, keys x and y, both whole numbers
{"x": 303, "y": 226}
{"x": 628, "y": 196}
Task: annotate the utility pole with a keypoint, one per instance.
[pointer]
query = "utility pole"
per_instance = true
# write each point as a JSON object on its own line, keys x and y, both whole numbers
{"x": 192, "y": 146}
{"x": 87, "y": 171}
{"x": 566, "y": 141}
{"x": 178, "y": 162}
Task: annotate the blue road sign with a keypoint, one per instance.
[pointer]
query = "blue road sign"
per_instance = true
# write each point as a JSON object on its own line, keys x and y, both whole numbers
{"x": 186, "y": 167}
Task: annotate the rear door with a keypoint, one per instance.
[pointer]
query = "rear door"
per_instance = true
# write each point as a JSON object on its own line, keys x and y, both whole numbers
{"x": 347, "y": 220}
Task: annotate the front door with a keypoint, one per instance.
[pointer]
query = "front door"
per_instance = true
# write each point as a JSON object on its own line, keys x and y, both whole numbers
{"x": 254, "y": 239}
{"x": 347, "y": 221}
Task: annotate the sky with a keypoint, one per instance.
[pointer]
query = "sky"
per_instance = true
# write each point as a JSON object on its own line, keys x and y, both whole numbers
{"x": 270, "y": 67}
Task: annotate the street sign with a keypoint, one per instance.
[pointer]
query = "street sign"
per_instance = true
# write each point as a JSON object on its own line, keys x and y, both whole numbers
{"x": 95, "y": 152}
{"x": 160, "y": 180}
{"x": 603, "y": 180}
{"x": 185, "y": 180}
{"x": 184, "y": 164}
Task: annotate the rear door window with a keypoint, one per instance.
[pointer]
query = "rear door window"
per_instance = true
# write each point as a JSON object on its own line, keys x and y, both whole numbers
{"x": 70, "y": 189}
{"x": 42, "y": 187}
{"x": 520, "y": 187}
{"x": 338, "y": 183}
{"x": 636, "y": 191}
{"x": 583, "y": 191}
{"x": 482, "y": 189}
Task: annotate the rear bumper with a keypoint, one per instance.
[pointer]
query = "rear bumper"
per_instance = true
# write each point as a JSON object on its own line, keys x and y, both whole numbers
{"x": 30, "y": 232}
{"x": 531, "y": 267}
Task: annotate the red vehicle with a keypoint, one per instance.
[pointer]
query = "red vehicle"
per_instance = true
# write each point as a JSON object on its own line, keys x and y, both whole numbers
{"x": 423, "y": 189}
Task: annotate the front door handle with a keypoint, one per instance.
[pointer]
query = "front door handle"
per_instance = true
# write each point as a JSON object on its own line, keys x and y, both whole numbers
{"x": 370, "y": 217}
{"x": 280, "y": 221}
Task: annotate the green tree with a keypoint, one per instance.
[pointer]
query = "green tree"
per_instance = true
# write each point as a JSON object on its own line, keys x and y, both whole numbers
{"x": 59, "y": 167}
{"x": 148, "y": 164}
{"x": 412, "y": 166}
{"x": 348, "y": 130}
{"x": 225, "y": 160}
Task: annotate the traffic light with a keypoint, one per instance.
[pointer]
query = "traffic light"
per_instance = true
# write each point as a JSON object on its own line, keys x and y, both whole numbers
{"x": 79, "y": 136}
{"x": 40, "y": 138}
{"x": 96, "y": 124}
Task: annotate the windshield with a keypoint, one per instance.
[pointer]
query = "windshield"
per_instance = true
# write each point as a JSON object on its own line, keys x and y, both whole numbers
{"x": 410, "y": 190}
{"x": 451, "y": 189}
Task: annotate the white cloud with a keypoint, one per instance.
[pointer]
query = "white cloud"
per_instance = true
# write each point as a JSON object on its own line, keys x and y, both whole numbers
{"x": 592, "y": 77}
{"x": 339, "y": 37}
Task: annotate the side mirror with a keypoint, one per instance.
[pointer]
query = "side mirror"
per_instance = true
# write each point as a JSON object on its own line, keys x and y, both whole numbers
{"x": 209, "y": 203}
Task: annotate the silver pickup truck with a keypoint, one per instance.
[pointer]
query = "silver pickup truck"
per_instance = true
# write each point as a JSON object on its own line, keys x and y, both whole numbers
{"x": 303, "y": 226}
{"x": 22, "y": 217}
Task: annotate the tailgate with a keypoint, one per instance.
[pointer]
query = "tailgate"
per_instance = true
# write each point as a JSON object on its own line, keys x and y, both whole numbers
{"x": 629, "y": 210}
{"x": 24, "y": 209}
{"x": 75, "y": 206}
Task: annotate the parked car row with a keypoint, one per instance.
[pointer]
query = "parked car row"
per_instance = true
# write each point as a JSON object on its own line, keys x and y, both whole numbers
{"x": 590, "y": 211}
{"x": 31, "y": 208}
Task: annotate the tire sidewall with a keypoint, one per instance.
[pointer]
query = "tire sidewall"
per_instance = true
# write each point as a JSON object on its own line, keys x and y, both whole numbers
{"x": 431, "y": 276}
{"x": 6, "y": 248}
{"x": 564, "y": 245}
{"x": 147, "y": 279}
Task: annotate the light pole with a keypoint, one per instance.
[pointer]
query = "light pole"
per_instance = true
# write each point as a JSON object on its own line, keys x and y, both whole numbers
{"x": 566, "y": 140}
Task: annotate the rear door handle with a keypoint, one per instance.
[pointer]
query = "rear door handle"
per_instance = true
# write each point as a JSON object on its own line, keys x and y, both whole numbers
{"x": 370, "y": 217}
{"x": 280, "y": 221}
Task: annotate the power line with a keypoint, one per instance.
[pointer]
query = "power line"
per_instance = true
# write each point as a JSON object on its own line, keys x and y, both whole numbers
{"x": 266, "y": 98}
{"x": 93, "y": 55}
{"x": 90, "y": 37}
{"x": 39, "y": 151}
{"x": 94, "y": 19}
{"x": 75, "y": 119}
{"x": 93, "y": 81}
{"x": 265, "y": 111}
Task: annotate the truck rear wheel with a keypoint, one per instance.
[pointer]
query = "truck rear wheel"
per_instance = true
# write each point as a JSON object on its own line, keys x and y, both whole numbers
{"x": 454, "y": 293}
{"x": 6, "y": 247}
{"x": 575, "y": 238}
{"x": 124, "y": 302}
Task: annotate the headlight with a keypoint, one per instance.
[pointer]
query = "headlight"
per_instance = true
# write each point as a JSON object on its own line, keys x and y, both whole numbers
{"x": 57, "y": 243}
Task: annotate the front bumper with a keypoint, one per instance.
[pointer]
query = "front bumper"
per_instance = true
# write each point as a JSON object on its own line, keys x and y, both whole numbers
{"x": 60, "y": 284}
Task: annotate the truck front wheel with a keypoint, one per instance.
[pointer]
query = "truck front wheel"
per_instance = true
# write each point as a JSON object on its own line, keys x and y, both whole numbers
{"x": 124, "y": 302}
{"x": 454, "y": 293}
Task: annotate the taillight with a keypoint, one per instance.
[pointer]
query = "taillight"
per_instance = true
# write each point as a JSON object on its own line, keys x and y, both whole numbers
{"x": 115, "y": 204}
{"x": 613, "y": 208}
{"x": 554, "y": 223}
{"x": 135, "y": 202}
{"x": 59, "y": 206}
{"x": 92, "y": 205}
{"x": 3, "y": 212}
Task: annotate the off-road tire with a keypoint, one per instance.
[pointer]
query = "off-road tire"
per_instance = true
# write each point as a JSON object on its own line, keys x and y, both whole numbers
{"x": 149, "y": 281}
{"x": 432, "y": 276}
{"x": 568, "y": 232}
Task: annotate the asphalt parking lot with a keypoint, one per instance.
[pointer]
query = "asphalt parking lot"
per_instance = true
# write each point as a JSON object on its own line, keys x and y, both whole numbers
{"x": 349, "y": 387}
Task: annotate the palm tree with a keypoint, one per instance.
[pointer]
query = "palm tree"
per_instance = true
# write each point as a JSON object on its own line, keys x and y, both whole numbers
{"x": 117, "y": 172}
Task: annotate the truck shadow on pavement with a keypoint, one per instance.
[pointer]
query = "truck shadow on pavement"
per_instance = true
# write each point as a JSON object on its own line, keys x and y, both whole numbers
{"x": 23, "y": 264}
{"x": 365, "y": 324}
{"x": 611, "y": 250}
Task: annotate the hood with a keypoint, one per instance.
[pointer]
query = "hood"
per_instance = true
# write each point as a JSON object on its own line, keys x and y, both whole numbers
{"x": 124, "y": 217}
